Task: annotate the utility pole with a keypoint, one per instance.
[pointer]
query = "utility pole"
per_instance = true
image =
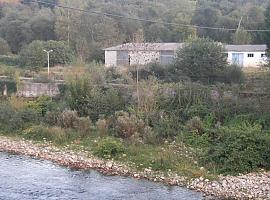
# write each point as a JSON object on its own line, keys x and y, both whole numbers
{"x": 239, "y": 24}
{"x": 68, "y": 26}
{"x": 48, "y": 57}
{"x": 137, "y": 84}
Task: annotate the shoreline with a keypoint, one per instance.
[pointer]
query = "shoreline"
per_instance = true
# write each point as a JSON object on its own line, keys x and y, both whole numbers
{"x": 250, "y": 186}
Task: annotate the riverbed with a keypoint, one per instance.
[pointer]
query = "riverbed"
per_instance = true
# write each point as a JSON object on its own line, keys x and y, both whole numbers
{"x": 22, "y": 177}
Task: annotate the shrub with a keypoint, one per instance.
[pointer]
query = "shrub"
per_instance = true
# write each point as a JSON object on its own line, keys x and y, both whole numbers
{"x": 150, "y": 137}
{"x": 127, "y": 125}
{"x": 6, "y": 114}
{"x": 4, "y": 47}
{"x": 83, "y": 125}
{"x": 11, "y": 87}
{"x": 23, "y": 118}
{"x": 68, "y": 119}
{"x": 234, "y": 74}
{"x": 41, "y": 105}
{"x": 9, "y": 60}
{"x": 54, "y": 134}
{"x": 103, "y": 127}
{"x": 195, "y": 125}
{"x": 237, "y": 149}
{"x": 109, "y": 147}
{"x": 92, "y": 101}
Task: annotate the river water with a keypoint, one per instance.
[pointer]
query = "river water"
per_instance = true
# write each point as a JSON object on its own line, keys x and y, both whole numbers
{"x": 24, "y": 178}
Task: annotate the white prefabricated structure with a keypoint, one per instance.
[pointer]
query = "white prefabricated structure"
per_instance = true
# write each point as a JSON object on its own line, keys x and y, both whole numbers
{"x": 164, "y": 53}
{"x": 247, "y": 55}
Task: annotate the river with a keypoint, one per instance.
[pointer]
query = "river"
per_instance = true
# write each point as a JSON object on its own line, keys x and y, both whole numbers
{"x": 24, "y": 178}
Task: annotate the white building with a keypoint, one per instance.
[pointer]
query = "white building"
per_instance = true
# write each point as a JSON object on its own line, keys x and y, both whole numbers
{"x": 247, "y": 55}
{"x": 164, "y": 53}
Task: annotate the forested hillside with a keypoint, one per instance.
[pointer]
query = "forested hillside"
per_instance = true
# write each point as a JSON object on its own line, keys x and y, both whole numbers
{"x": 88, "y": 32}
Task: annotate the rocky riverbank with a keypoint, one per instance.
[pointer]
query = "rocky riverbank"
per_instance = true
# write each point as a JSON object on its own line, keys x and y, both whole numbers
{"x": 250, "y": 186}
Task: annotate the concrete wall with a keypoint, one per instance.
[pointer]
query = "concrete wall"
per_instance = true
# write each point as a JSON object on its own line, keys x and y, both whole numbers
{"x": 33, "y": 90}
{"x": 256, "y": 61}
{"x": 110, "y": 58}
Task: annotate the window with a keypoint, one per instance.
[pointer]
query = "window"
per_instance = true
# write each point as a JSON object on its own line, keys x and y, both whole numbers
{"x": 123, "y": 58}
{"x": 250, "y": 55}
{"x": 166, "y": 57}
{"x": 262, "y": 55}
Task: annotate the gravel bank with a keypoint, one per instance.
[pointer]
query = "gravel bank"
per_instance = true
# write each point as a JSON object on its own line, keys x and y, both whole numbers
{"x": 250, "y": 186}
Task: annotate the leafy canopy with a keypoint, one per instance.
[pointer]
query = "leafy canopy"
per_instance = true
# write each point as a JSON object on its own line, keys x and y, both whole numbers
{"x": 201, "y": 59}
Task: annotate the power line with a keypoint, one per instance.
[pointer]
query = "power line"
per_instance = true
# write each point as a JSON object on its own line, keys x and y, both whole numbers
{"x": 145, "y": 20}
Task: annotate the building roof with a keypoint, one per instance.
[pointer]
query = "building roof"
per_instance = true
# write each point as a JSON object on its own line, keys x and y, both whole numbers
{"x": 175, "y": 46}
{"x": 146, "y": 47}
{"x": 246, "y": 48}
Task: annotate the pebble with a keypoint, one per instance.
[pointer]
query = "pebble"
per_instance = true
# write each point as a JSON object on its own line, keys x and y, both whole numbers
{"x": 249, "y": 186}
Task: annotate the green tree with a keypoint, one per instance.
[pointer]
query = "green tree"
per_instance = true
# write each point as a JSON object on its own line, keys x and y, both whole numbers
{"x": 201, "y": 59}
{"x": 267, "y": 25}
{"x": 61, "y": 54}
{"x": 42, "y": 25}
{"x": 34, "y": 56}
{"x": 4, "y": 47}
{"x": 14, "y": 28}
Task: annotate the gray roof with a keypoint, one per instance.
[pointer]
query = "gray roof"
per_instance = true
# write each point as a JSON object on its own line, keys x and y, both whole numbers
{"x": 246, "y": 48}
{"x": 146, "y": 47}
{"x": 175, "y": 46}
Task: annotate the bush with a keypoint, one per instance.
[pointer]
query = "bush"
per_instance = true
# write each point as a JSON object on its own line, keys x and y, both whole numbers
{"x": 12, "y": 120}
{"x": 126, "y": 125}
{"x": 4, "y": 47}
{"x": 92, "y": 101}
{"x": 54, "y": 134}
{"x": 11, "y": 87}
{"x": 238, "y": 149}
{"x": 6, "y": 114}
{"x": 41, "y": 105}
{"x": 234, "y": 74}
{"x": 68, "y": 119}
{"x": 103, "y": 127}
{"x": 110, "y": 147}
{"x": 9, "y": 60}
{"x": 83, "y": 125}
{"x": 195, "y": 125}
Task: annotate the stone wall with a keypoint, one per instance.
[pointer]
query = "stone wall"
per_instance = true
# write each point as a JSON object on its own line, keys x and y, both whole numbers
{"x": 32, "y": 90}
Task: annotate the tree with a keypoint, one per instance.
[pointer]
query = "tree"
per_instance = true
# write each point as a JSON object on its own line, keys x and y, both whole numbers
{"x": 42, "y": 25}
{"x": 267, "y": 25}
{"x": 33, "y": 55}
{"x": 14, "y": 28}
{"x": 201, "y": 59}
{"x": 4, "y": 47}
{"x": 61, "y": 54}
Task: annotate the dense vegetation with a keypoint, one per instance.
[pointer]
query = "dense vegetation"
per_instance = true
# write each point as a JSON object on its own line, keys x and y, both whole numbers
{"x": 197, "y": 117}
{"x": 87, "y": 34}
{"x": 178, "y": 126}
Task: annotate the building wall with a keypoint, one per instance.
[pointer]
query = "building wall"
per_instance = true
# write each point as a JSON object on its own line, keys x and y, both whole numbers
{"x": 143, "y": 57}
{"x": 110, "y": 58}
{"x": 256, "y": 61}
